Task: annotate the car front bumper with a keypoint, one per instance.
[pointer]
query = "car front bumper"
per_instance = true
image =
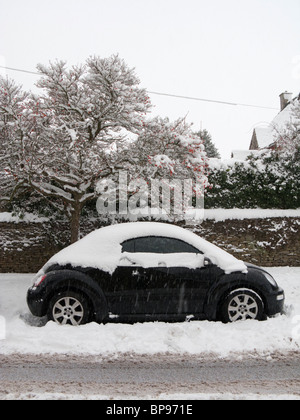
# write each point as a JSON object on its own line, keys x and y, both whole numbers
{"x": 275, "y": 303}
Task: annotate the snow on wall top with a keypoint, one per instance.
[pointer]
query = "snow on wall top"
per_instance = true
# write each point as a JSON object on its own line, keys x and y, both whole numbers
{"x": 6, "y": 217}
{"x": 102, "y": 248}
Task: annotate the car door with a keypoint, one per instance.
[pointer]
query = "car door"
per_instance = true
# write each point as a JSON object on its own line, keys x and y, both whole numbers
{"x": 190, "y": 285}
{"x": 163, "y": 276}
{"x": 129, "y": 280}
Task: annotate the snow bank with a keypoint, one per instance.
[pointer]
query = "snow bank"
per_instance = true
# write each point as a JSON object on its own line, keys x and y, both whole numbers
{"x": 102, "y": 248}
{"x": 26, "y": 334}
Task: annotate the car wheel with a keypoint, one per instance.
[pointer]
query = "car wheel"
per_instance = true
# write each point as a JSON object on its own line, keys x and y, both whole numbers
{"x": 69, "y": 308}
{"x": 240, "y": 305}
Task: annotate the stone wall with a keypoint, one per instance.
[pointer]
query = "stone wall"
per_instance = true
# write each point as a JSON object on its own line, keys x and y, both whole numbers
{"x": 265, "y": 242}
{"x": 25, "y": 247}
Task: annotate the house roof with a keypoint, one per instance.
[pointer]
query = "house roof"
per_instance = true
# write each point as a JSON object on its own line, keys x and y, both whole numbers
{"x": 265, "y": 135}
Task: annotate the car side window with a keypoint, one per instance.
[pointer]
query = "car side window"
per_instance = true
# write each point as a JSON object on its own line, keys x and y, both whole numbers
{"x": 128, "y": 246}
{"x": 158, "y": 245}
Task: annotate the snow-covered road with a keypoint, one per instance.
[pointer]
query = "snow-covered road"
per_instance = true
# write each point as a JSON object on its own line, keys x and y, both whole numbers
{"x": 164, "y": 377}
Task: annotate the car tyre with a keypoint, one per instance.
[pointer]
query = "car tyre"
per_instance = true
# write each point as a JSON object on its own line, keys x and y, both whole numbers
{"x": 69, "y": 308}
{"x": 241, "y": 305}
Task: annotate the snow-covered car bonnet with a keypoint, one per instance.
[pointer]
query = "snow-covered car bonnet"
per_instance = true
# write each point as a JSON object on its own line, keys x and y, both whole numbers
{"x": 102, "y": 248}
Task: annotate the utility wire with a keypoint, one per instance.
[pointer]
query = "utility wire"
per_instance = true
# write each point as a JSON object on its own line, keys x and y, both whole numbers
{"x": 22, "y": 71}
{"x": 210, "y": 100}
{"x": 168, "y": 94}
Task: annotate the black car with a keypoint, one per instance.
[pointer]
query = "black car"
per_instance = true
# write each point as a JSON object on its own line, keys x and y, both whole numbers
{"x": 150, "y": 271}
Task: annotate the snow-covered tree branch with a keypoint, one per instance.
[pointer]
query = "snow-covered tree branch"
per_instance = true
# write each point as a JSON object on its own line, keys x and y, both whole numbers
{"x": 88, "y": 123}
{"x": 62, "y": 141}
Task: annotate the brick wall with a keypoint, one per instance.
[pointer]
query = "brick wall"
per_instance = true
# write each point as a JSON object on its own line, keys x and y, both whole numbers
{"x": 25, "y": 247}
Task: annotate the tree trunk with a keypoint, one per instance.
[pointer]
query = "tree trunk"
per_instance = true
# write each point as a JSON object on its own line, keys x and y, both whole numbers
{"x": 75, "y": 223}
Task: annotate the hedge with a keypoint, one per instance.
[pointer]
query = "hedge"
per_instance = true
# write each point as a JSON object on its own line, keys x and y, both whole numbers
{"x": 268, "y": 181}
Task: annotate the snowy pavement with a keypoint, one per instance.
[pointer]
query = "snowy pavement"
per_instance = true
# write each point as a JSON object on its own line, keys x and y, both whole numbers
{"x": 21, "y": 333}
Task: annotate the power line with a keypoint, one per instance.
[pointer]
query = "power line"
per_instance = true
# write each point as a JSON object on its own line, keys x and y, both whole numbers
{"x": 211, "y": 100}
{"x": 22, "y": 71}
{"x": 168, "y": 94}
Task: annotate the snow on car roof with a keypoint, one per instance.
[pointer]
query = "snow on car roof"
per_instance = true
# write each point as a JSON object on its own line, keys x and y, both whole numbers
{"x": 102, "y": 248}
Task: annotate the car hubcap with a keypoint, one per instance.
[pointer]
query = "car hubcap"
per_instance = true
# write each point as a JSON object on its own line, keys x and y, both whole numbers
{"x": 242, "y": 307}
{"x": 68, "y": 310}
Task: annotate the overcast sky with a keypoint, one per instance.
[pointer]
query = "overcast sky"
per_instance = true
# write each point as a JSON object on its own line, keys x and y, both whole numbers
{"x": 241, "y": 51}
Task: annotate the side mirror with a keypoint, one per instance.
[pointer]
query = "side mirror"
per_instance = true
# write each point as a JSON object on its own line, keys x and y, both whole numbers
{"x": 207, "y": 262}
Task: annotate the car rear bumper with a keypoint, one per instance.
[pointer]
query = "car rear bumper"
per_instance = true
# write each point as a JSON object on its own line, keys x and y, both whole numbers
{"x": 35, "y": 302}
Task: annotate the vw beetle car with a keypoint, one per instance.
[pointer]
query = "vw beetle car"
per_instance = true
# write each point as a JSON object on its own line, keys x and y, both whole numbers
{"x": 150, "y": 271}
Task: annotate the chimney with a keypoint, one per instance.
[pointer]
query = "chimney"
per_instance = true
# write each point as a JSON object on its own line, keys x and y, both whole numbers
{"x": 285, "y": 99}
